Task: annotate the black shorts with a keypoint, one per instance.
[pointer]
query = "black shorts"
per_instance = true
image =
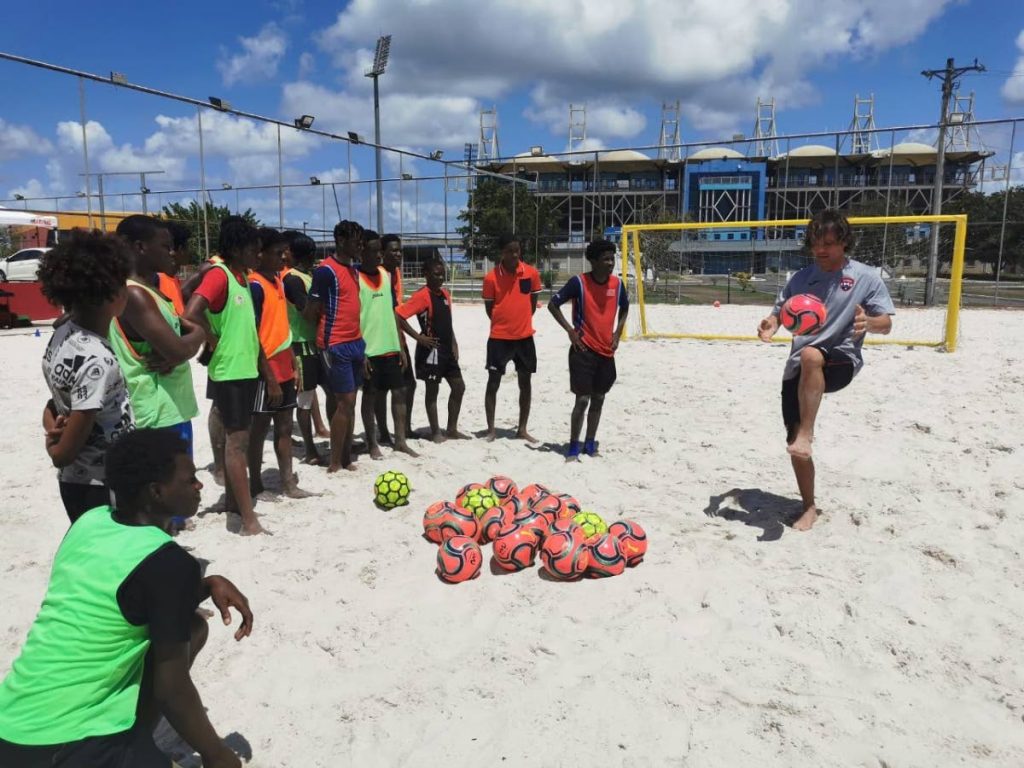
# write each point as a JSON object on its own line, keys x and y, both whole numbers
{"x": 385, "y": 373}
{"x": 838, "y": 373}
{"x": 287, "y": 399}
{"x": 436, "y": 364}
{"x": 309, "y": 366}
{"x": 522, "y": 351}
{"x": 235, "y": 400}
{"x": 79, "y": 498}
{"x": 134, "y": 748}
{"x": 590, "y": 373}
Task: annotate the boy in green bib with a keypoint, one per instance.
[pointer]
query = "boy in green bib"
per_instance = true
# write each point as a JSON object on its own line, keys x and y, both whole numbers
{"x": 152, "y": 343}
{"x": 222, "y": 306}
{"x": 385, "y": 355}
{"x": 111, "y": 647}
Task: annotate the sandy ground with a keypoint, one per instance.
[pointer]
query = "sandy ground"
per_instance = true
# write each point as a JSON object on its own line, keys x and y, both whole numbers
{"x": 890, "y": 635}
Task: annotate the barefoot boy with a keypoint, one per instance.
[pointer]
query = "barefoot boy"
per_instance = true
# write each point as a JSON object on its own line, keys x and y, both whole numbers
{"x": 437, "y": 351}
{"x": 857, "y": 303}
{"x": 510, "y": 298}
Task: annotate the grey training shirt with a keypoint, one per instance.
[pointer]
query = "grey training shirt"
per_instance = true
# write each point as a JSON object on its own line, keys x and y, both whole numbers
{"x": 841, "y": 291}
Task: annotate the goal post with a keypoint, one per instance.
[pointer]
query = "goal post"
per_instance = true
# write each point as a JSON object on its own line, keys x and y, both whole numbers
{"x": 705, "y": 263}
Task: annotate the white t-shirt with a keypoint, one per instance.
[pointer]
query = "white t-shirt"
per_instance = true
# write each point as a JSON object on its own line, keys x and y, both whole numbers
{"x": 83, "y": 375}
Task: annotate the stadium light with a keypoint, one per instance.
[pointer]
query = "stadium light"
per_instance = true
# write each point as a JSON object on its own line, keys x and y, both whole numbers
{"x": 222, "y": 104}
{"x": 406, "y": 177}
{"x": 738, "y": 137}
{"x": 536, "y": 150}
{"x": 225, "y": 185}
{"x": 305, "y": 122}
{"x": 145, "y": 190}
{"x": 80, "y": 194}
{"x": 957, "y": 118}
{"x": 314, "y": 180}
{"x": 381, "y": 56}
{"x": 19, "y": 197}
{"x": 355, "y": 138}
{"x": 380, "y": 63}
{"x": 118, "y": 78}
{"x": 436, "y": 154}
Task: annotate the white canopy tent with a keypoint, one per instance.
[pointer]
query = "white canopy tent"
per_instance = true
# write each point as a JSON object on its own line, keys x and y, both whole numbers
{"x": 9, "y": 218}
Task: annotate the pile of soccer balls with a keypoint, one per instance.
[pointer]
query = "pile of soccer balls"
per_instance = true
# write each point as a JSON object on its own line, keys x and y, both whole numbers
{"x": 522, "y": 524}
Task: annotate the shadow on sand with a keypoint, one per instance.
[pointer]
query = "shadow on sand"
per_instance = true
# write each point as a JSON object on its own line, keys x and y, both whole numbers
{"x": 756, "y": 508}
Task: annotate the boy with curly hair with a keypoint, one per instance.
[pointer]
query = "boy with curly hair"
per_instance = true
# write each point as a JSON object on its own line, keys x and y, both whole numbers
{"x": 89, "y": 408}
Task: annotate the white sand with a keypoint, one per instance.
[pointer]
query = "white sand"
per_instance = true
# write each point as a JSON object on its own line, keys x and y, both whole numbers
{"x": 890, "y": 635}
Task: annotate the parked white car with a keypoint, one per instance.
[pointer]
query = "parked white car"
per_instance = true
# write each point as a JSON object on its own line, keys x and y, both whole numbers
{"x": 21, "y": 265}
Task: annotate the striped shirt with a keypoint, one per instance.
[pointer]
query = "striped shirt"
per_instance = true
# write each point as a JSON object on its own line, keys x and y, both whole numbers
{"x": 336, "y": 286}
{"x": 595, "y": 308}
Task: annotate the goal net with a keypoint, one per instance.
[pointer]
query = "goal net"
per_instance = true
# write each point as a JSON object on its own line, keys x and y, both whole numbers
{"x": 698, "y": 280}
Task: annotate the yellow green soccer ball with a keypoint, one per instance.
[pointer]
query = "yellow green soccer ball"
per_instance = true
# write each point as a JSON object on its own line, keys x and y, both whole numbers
{"x": 591, "y": 523}
{"x": 479, "y": 500}
{"x": 391, "y": 490}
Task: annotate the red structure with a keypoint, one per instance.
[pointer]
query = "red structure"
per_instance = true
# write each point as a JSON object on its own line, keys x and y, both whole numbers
{"x": 24, "y": 300}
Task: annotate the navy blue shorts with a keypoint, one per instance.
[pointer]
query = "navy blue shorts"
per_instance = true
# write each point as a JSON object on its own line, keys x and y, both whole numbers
{"x": 344, "y": 366}
{"x": 184, "y": 431}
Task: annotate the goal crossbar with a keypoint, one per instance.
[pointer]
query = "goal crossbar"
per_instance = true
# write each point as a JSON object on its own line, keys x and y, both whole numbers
{"x": 630, "y": 242}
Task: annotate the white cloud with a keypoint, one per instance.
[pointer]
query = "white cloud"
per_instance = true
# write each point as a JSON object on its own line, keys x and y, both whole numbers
{"x": 31, "y": 189}
{"x": 226, "y": 135}
{"x": 410, "y": 119}
{"x": 18, "y": 140}
{"x": 106, "y": 155}
{"x": 1013, "y": 88}
{"x": 259, "y": 58}
{"x": 715, "y": 55}
{"x": 307, "y": 65}
{"x": 609, "y": 118}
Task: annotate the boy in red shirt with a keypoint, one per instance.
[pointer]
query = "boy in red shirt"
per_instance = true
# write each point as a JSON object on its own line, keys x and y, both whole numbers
{"x": 597, "y": 297}
{"x": 275, "y": 393}
{"x": 510, "y": 299}
{"x": 333, "y": 305}
{"x": 437, "y": 351}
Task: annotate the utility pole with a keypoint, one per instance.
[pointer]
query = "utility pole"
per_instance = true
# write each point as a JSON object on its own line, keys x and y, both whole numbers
{"x": 950, "y": 75}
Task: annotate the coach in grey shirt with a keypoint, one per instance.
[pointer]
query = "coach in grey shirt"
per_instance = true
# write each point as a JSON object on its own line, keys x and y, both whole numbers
{"x": 857, "y": 303}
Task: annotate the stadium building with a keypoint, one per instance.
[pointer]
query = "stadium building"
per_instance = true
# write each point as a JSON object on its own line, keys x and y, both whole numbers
{"x": 600, "y": 192}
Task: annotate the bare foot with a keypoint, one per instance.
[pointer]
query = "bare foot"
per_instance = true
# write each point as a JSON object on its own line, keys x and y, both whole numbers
{"x": 806, "y": 520}
{"x": 404, "y": 448}
{"x": 256, "y": 488}
{"x": 352, "y": 467}
{"x": 254, "y": 529}
{"x": 454, "y": 434}
{"x": 333, "y": 468}
{"x": 522, "y": 434}
{"x": 375, "y": 453}
{"x": 294, "y": 492}
{"x": 315, "y": 460}
{"x": 491, "y": 436}
{"x": 800, "y": 447}
{"x": 439, "y": 437}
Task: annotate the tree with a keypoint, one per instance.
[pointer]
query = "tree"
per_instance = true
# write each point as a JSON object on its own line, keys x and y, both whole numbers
{"x": 191, "y": 215}
{"x": 488, "y": 214}
{"x": 985, "y": 226}
{"x": 655, "y": 247}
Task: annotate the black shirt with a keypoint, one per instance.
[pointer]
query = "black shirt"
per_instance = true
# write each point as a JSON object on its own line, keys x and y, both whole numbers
{"x": 163, "y": 591}
{"x": 295, "y": 291}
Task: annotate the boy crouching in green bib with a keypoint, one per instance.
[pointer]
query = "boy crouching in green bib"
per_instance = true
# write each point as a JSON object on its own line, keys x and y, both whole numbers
{"x": 111, "y": 647}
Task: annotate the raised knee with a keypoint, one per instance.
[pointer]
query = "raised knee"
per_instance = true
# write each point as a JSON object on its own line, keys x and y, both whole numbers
{"x": 582, "y": 401}
{"x": 811, "y": 357}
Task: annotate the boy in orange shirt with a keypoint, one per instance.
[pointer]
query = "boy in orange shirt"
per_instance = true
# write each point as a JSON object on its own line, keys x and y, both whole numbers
{"x": 510, "y": 298}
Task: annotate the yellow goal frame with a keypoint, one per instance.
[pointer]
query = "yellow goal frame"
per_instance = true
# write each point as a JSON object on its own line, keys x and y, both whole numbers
{"x": 631, "y": 236}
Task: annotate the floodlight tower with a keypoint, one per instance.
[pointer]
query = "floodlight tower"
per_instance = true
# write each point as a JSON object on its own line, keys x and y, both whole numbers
{"x": 380, "y": 63}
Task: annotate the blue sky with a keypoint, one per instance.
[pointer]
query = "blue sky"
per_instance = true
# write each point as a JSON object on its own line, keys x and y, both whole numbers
{"x": 450, "y": 58}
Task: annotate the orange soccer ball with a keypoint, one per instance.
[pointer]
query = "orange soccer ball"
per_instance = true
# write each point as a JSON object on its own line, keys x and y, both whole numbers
{"x": 442, "y": 520}
{"x": 493, "y": 520}
{"x": 606, "y": 558}
{"x": 533, "y": 492}
{"x": 459, "y": 559}
{"x": 551, "y": 507}
{"x": 564, "y": 555}
{"x": 803, "y": 314}
{"x": 504, "y": 487}
{"x": 515, "y": 547}
{"x": 632, "y": 539}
